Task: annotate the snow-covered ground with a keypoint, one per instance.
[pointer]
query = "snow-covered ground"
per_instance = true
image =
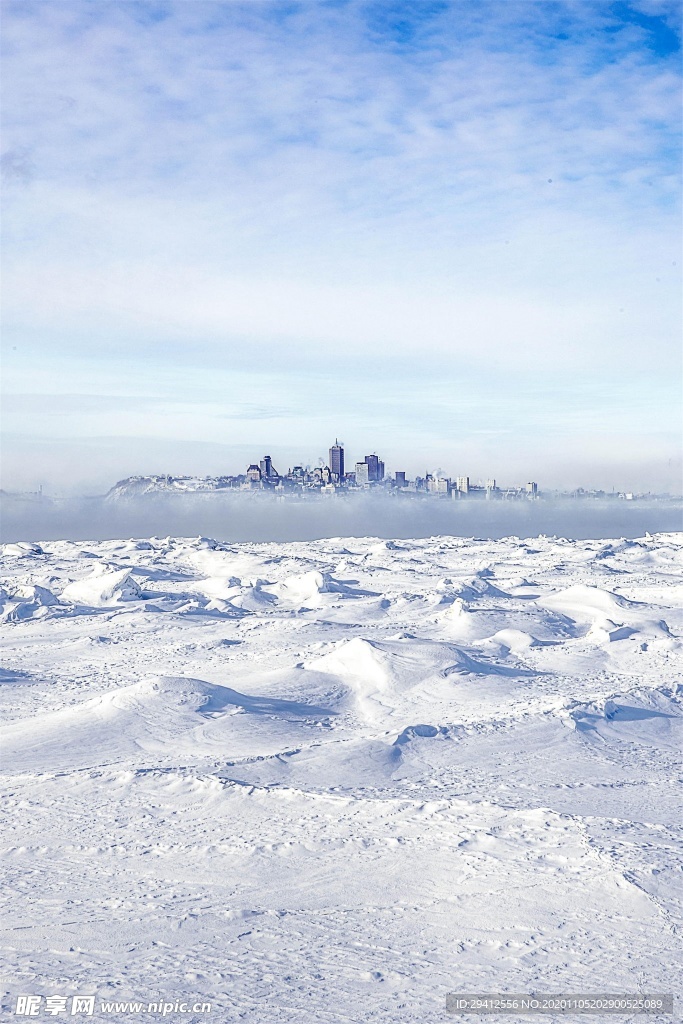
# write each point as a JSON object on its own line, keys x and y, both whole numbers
{"x": 336, "y": 780}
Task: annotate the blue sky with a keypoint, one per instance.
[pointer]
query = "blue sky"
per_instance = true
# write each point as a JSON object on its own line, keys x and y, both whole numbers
{"x": 445, "y": 231}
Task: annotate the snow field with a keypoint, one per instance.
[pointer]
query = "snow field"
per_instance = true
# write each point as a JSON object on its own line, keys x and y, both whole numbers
{"x": 335, "y": 780}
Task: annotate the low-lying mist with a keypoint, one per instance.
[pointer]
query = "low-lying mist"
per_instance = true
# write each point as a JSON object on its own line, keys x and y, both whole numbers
{"x": 262, "y": 517}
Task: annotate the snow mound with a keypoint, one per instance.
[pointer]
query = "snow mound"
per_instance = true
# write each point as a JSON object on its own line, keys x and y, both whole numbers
{"x": 22, "y": 549}
{"x": 584, "y": 603}
{"x": 609, "y": 616}
{"x": 160, "y": 717}
{"x": 252, "y": 597}
{"x": 477, "y": 587}
{"x": 378, "y": 674}
{"x": 387, "y": 545}
{"x": 459, "y": 620}
{"x": 222, "y": 587}
{"x": 209, "y": 544}
{"x": 386, "y": 675}
{"x": 26, "y": 602}
{"x": 605, "y": 631}
{"x": 228, "y": 596}
{"x": 215, "y": 608}
{"x": 305, "y": 589}
{"x": 103, "y": 589}
{"x": 645, "y": 715}
{"x": 172, "y": 693}
{"x": 208, "y": 699}
{"x": 516, "y": 640}
{"x": 364, "y": 662}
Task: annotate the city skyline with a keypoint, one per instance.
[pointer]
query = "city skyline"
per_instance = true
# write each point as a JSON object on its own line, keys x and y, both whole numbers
{"x": 369, "y": 473}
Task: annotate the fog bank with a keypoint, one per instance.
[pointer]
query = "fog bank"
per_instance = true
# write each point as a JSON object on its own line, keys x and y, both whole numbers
{"x": 258, "y": 517}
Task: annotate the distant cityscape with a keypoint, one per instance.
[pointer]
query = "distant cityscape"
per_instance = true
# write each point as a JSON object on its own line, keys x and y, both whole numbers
{"x": 369, "y": 474}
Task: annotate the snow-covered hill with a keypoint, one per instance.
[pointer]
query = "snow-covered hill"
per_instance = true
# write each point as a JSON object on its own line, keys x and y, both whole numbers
{"x": 336, "y": 780}
{"x": 136, "y": 486}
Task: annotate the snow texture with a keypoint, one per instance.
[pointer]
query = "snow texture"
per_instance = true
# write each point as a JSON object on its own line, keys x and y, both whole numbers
{"x": 335, "y": 780}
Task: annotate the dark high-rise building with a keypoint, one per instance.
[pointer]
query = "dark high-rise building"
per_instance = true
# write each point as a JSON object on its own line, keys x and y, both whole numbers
{"x": 267, "y": 469}
{"x": 400, "y": 478}
{"x": 375, "y": 468}
{"x": 337, "y": 461}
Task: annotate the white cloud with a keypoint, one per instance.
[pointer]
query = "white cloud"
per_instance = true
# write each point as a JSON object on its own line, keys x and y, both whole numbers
{"x": 487, "y": 185}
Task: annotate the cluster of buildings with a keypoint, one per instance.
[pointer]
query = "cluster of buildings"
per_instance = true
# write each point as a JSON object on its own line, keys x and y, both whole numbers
{"x": 370, "y": 473}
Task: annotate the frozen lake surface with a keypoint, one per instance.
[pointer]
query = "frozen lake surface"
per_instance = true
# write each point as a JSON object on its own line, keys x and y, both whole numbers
{"x": 335, "y": 780}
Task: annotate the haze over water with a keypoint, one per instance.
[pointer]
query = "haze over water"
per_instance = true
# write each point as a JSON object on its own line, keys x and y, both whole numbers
{"x": 260, "y": 517}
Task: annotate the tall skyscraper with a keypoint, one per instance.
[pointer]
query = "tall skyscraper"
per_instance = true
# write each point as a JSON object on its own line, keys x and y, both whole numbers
{"x": 337, "y": 461}
{"x": 375, "y": 468}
